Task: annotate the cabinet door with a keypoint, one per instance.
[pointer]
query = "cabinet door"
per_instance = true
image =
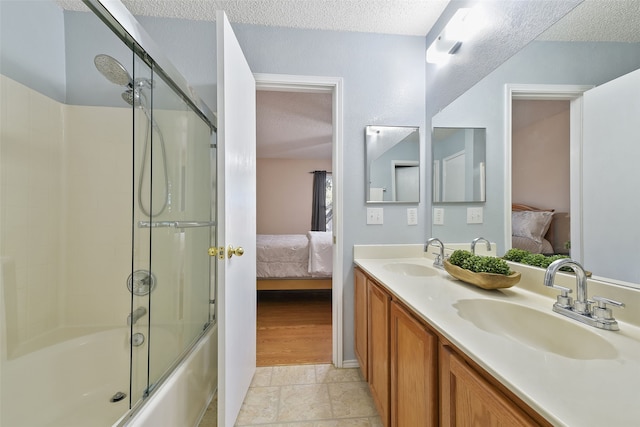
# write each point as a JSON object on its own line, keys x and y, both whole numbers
{"x": 467, "y": 399}
{"x": 378, "y": 320}
{"x": 414, "y": 391}
{"x": 360, "y": 310}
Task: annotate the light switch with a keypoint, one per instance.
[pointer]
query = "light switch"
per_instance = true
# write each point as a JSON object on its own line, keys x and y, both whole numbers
{"x": 474, "y": 215}
{"x": 412, "y": 216}
{"x": 374, "y": 216}
{"x": 438, "y": 216}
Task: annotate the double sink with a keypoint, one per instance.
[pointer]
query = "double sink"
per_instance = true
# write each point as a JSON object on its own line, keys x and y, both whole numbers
{"x": 540, "y": 330}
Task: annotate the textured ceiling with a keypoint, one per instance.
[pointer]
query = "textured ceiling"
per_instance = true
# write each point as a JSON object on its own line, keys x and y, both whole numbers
{"x": 599, "y": 21}
{"x": 407, "y": 17}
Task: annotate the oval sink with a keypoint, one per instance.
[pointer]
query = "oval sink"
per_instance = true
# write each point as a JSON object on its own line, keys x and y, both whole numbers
{"x": 409, "y": 269}
{"x": 536, "y": 329}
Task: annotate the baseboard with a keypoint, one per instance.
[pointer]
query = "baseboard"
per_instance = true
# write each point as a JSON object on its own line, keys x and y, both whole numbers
{"x": 353, "y": 363}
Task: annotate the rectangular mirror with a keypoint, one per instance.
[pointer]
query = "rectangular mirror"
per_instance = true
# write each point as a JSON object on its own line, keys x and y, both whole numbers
{"x": 458, "y": 164}
{"x": 393, "y": 164}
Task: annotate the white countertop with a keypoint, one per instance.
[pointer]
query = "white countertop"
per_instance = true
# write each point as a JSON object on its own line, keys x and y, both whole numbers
{"x": 565, "y": 391}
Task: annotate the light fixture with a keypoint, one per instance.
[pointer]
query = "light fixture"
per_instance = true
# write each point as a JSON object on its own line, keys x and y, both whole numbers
{"x": 462, "y": 26}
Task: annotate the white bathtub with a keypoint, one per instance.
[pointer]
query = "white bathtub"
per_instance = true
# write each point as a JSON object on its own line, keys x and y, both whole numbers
{"x": 68, "y": 384}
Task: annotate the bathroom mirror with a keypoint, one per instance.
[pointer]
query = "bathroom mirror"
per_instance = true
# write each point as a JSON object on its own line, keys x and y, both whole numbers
{"x": 459, "y": 156}
{"x": 577, "y": 60}
{"x": 392, "y": 164}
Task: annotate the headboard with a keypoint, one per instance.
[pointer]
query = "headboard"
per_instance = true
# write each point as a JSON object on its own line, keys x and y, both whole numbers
{"x": 559, "y": 232}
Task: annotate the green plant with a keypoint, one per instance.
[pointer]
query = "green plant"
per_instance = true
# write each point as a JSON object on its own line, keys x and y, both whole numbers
{"x": 515, "y": 255}
{"x": 486, "y": 264}
{"x": 459, "y": 256}
{"x": 537, "y": 260}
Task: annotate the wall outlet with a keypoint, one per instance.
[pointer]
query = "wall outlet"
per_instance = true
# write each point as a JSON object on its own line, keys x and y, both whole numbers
{"x": 474, "y": 216}
{"x": 375, "y": 215}
{"x": 412, "y": 216}
{"x": 438, "y": 216}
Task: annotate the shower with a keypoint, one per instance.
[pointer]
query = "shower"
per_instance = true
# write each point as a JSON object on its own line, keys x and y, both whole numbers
{"x": 133, "y": 95}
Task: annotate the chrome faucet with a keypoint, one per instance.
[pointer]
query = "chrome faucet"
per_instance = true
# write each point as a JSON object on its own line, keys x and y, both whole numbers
{"x": 439, "y": 261}
{"x": 580, "y": 309}
{"x": 132, "y": 318}
{"x": 476, "y": 240}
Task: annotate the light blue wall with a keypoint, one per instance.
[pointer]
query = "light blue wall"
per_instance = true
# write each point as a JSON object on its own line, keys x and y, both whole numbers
{"x": 32, "y": 45}
{"x": 86, "y": 37}
{"x": 483, "y": 106}
{"x": 191, "y": 47}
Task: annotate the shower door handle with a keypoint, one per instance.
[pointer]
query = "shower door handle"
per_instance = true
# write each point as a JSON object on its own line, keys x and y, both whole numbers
{"x": 235, "y": 251}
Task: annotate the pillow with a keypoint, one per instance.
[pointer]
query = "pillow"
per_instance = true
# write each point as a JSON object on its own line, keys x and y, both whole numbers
{"x": 531, "y": 224}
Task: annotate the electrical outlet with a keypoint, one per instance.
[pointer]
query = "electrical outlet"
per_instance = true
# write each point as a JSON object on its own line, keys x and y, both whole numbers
{"x": 375, "y": 216}
{"x": 412, "y": 216}
{"x": 474, "y": 215}
{"x": 438, "y": 216}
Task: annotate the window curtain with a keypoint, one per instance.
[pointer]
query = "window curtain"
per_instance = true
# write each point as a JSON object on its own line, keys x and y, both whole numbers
{"x": 319, "y": 208}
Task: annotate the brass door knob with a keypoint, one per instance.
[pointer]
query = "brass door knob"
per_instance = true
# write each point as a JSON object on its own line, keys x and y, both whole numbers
{"x": 237, "y": 251}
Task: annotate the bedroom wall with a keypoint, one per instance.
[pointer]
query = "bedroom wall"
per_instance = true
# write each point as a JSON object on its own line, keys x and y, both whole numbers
{"x": 540, "y": 155}
{"x": 284, "y": 190}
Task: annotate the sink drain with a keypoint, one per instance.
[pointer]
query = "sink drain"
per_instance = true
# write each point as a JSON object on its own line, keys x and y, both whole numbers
{"x": 117, "y": 397}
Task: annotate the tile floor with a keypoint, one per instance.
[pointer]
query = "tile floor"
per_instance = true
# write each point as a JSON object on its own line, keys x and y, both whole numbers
{"x": 305, "y": 396}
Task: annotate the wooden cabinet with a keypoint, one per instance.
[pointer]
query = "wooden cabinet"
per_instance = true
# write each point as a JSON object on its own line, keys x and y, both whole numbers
{"x": 468, "y": 399}
{"x": 378, "y": 348}
{"x": 414, "y": 372}
{"x": 360, "y": 320}
{"x": 417, "y": 378}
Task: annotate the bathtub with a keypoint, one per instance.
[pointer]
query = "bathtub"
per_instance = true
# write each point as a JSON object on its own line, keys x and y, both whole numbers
{"x": 69, "y": 383}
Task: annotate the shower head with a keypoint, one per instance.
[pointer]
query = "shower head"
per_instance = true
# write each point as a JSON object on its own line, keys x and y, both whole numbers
{"x": 112, "y": 70}
{"x": 134, "y": 97}
{"x": 130, "y": 98}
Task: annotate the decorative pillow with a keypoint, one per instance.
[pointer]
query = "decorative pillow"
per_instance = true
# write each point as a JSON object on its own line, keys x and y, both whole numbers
{"x": 531, "y": 224}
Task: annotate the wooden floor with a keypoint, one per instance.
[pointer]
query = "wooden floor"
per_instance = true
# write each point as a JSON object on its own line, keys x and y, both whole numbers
{"x": 294, "y": 328}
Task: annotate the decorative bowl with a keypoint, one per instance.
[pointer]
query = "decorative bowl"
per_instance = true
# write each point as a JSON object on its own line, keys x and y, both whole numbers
{"x": 482, "y": 280}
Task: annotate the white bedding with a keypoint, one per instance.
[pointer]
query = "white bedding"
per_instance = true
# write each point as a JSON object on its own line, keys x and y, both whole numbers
{"x": 294, "y": 255}
{"x": 320, "y": 253}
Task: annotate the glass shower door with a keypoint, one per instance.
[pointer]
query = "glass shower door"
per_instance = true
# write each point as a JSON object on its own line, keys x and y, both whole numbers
{"x": 175, "y": 225}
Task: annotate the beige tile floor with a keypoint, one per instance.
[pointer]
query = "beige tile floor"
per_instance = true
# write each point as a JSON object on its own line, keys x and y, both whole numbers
{"x": 305, "y": 396}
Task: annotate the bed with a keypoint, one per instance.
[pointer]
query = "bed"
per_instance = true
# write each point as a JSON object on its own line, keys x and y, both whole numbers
{"x": 294, "y": 261}
{"x": 539, "y": 231}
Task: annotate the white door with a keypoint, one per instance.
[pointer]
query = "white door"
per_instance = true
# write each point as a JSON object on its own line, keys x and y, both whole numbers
{"x": 406, "y": 186}
{"x": 610, "y": 152}
{"x": 453, "y": 177}
{"x": 237, "y": 223}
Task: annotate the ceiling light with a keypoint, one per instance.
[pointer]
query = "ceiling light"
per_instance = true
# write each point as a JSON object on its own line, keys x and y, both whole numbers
{"x": 463, "y": 25}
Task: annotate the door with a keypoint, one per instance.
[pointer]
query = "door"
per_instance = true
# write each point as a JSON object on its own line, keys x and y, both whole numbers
{"x": 610, "y": 144}
{"x": 406, "y": 182}
{"x": 454, "y": 177}
{"x": 237, "y": 223}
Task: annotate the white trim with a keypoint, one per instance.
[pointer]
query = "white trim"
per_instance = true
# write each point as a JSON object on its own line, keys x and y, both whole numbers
{"x": 335, "y": 86}
{"x": 571, "y": 93}
{"x": 352, "y": 363}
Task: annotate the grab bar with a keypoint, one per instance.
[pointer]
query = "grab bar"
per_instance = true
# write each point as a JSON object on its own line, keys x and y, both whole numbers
{"x": 175, "y": 224}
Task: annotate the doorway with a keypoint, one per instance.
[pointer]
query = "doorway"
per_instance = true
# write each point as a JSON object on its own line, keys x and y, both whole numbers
{"x": 572, "y": 94}
{"x": 317, "y": 90}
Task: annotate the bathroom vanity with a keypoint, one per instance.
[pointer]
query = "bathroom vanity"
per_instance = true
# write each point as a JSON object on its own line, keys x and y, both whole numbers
{"x": 436, "y": 351}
